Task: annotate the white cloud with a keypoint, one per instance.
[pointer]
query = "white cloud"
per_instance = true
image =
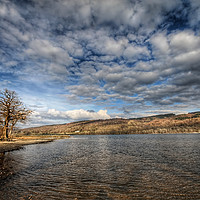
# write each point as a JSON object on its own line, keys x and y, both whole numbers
{"x": 160, "y": 44}
{"x": 188, "y": 59}
{"x": 45, "y": 49}
{"x": 113, "y": 77}
{"x": 102, "y": 43}
{"x": 133, "y": 52}
{"x": 10, "y": 63}
{"x": 194, "y": 15}
{"x": 84, "y": 90}
{"x": 10, "y": 12}
{"x": 114, "y": 47}
{"x": 72, "y": 47}
{"x": 147, "y": 77}
{"x": 3, "y": 10}
{"x": 184, "y": 41}
{"x": 4, "y": 83}
{"x": 57, "y": 69}
{"x": 79, "y": 114}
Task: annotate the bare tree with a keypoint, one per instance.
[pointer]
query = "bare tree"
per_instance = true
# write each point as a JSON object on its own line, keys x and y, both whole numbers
{"x": 12, "y": 110}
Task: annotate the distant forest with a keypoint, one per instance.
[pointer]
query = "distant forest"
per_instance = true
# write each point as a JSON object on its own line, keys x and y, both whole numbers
{"x": 167, "y": 123}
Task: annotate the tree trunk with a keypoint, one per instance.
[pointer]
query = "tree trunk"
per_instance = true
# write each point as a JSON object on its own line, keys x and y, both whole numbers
{"x": 10, "y": 132}
{"x": 5, "y": 130}
{"x": 4, "y": 133}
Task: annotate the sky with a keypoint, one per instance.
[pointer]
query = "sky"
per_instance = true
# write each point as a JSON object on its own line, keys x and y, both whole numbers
{"x": 71, "y": 60}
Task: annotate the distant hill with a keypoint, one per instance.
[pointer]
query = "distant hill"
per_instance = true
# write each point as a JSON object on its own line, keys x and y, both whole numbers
{"x": 167, "y": 123}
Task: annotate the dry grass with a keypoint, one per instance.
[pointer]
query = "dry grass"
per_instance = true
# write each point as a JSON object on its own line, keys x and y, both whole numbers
{"x": 186, "y": 123}
{"x": 18, "y": 142}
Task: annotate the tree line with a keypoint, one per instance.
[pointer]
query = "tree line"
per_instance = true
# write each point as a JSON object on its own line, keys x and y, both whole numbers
{"x": 12, "y": 111}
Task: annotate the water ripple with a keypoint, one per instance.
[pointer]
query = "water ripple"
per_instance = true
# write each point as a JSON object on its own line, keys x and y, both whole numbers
{"x": 105, "y": 167}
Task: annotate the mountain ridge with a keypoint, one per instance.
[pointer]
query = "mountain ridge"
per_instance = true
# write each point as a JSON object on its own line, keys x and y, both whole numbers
{"x": 164, "y": 123}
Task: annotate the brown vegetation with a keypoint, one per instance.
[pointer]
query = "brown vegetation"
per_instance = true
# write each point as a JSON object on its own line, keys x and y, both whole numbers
{"x": 18, "y": 142}
{"x": 12, "y": 111}
{"x": 170, "y": 123}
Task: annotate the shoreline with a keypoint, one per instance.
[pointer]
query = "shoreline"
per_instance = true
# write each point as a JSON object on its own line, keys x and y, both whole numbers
{"x": 19, "y": 143}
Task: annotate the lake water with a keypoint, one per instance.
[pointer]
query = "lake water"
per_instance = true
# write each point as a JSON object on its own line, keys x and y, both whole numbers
{"x": 105, "y": 167}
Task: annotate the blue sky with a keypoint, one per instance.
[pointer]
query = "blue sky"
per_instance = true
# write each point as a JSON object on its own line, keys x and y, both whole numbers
{"x": 73, "y": 60}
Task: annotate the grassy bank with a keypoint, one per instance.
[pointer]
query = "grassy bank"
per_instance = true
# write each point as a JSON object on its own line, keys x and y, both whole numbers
{"x": 18, "y": 142}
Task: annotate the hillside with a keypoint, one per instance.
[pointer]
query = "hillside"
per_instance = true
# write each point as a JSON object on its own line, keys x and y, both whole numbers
{"x": 169, "y": 123}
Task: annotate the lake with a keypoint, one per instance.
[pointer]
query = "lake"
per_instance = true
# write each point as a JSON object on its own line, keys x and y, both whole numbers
{"x": 125, "y": 167}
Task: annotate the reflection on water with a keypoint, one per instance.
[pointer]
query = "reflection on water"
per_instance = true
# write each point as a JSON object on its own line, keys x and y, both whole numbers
{"x": 6, "y": 166}
{"x": 105, "y": 167}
